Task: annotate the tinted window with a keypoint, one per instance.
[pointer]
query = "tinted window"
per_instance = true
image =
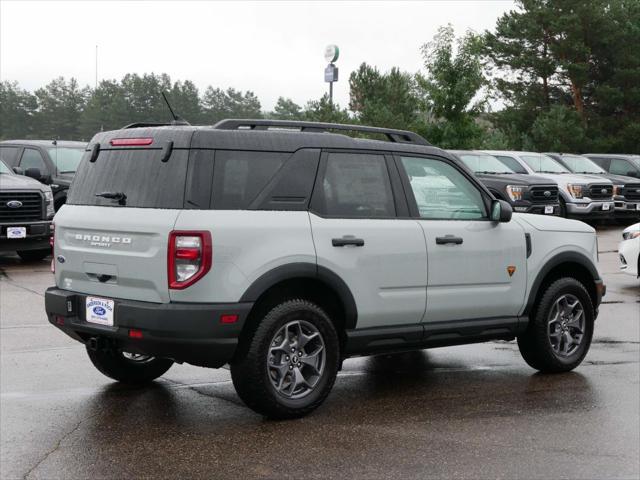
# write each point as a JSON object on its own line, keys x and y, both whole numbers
{"x": 32, "y": 158}
{"x": 9, "y": 155}
{"x": 620, "y": 166}
{"x": 356, "y": 185}
{"x": 512, "y": 163}
{"x": 238, "y": 177}
{"x": 482, "y": 163}
{"x": 66, "y": 159}
{"x": 544, "y": 164}
{"x": 138, "y": 173}
{"x": 442, "y": 192}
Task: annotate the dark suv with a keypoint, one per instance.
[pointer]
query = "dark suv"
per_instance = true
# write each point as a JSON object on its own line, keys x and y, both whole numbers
{"x": 526, "y": 193}
{"x": 626, "y": 190}
{"x": 57, "y": 161}
{"x": 26, "y": 210}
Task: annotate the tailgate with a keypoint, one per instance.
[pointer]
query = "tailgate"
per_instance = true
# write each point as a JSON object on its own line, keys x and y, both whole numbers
{"x": 113, "y": 252}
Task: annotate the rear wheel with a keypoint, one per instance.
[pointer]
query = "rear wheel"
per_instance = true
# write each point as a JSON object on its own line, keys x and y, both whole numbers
{"x": 559, "y": 334}
{"x": 128, "y": 367}
{"x": 291, "y": 362}
{"x": 34, "y": 255}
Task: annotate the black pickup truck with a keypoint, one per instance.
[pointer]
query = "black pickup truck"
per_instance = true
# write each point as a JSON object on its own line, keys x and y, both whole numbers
{"x": 26, "y": 211}
{"x": 525, "y": 193}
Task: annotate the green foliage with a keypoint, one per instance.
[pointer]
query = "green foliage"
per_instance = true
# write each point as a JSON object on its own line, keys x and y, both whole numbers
{"x": 559, "y": 130}
{"x": 452, "y": 90}
{"x": 383, "y": 99}
{"x": 60, "y": 105}
{"x": 286, "y": 109}
{"x": 323, "y": 111}
{"x": 17, "y": 111}
{"x": 218, "y": 104}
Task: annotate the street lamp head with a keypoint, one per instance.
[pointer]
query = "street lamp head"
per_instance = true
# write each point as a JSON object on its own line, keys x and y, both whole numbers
{"x": 331, "y": 53}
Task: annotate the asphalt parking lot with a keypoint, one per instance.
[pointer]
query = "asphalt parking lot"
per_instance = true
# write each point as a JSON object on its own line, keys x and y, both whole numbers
{"x": 474, "y": 411}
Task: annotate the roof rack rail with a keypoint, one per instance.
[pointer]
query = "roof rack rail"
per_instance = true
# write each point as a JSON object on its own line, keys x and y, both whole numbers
{"x": 397, "y": 136}
{"x": 175, "y": 123}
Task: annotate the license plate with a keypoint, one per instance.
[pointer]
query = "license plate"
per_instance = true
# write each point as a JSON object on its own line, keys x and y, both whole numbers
{"x": 100, "y": 311}
{"x": 16, "y": 232}
{"x": 605, "y": 206}
{"x": 548, "y": 209}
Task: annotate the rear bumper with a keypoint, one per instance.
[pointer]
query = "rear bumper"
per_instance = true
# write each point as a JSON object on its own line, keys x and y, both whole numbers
{"x": 184, "y": 332}
{"x": 38, "y": 236}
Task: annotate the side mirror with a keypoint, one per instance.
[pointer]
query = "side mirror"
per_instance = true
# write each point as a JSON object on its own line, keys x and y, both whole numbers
{"x": 18, "y": 170}
{"x": 33, "y": 172}
{"x": 501, "y": 211}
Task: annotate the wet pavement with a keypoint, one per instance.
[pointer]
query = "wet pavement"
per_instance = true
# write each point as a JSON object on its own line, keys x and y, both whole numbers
{"x": 474, "y": 411}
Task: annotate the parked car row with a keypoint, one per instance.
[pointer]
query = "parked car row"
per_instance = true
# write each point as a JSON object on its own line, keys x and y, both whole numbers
{"x": 584, "y": 187}
{"x": 35, "y": 176}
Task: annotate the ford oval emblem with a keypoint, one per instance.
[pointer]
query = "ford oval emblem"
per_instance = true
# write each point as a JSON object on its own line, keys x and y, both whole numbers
{"x": 61, "y": 258}
{"x": 99, "y": 310}
{"x": 14, "y": 204}
{"x": 603, "y": 191}
{"x": 547, "y": 193}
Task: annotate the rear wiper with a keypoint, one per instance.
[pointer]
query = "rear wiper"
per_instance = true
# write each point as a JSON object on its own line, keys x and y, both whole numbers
{"x": 119, "y": 196}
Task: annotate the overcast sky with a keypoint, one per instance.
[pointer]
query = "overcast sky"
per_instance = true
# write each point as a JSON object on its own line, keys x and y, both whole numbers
{"x": 272, "y": 48}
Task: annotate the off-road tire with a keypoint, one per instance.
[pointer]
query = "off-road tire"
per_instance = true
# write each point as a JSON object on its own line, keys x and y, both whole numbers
{"x": 535, "y": 345}
{"x": 250, "y": 372}
{"x": 114, "y": 365}
{"x": 34, "y": 255}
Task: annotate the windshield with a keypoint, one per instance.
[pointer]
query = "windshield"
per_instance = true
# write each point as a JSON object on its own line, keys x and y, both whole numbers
{"x": 66, "y": 159}
{"x": 543, "y": 164}
{"x": 4, "y": 168}
{"x": 578, "y": 164}
{"x": 483, "y": 163}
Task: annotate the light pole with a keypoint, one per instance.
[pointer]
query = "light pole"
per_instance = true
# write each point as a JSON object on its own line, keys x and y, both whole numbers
{"x": 331, "y": 54}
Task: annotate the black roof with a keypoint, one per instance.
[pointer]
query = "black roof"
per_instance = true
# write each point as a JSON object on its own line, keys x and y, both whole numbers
{"x": 283, "y": 138}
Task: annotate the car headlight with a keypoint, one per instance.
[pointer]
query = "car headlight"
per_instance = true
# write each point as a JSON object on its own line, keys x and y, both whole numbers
{"x": 576, "y": 190}
{"x": 617, "y": 189}
{"x": 48, "y": 196}
{"x": 630, "y": 235}
{"x": 515, "y": 192}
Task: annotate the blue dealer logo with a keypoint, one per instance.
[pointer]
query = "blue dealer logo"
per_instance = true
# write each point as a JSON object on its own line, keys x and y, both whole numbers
{"x": 99, "y": 310}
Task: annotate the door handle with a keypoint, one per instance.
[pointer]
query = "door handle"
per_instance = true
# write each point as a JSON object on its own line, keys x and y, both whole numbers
{"x": 344, "y": 241}
{"x": 448, "y": 239}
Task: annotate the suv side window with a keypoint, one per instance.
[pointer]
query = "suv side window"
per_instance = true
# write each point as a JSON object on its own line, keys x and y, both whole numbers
{"x": 442, "y": 192}
{"x": 9, "y": 155}
{"x": 239, "y": 176}
{"x": 32, "y": 158}
{"x": 355, "y": 185}
{"x": 512, "y": 163}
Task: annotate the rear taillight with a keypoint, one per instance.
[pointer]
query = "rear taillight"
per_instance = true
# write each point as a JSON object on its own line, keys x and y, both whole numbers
{"x": 189, "y": 257}
{"x": 52, "y": 242}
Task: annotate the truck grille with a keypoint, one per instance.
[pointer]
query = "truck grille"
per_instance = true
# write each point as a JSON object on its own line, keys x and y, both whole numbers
{"x": 544, "y": 194}
{"x": 31, "y": 208}
{"x": 631, "y": 192}
{"x": 600, "y": 191}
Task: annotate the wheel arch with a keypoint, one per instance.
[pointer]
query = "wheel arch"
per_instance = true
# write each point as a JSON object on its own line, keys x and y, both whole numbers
{"x": 308, "y": 280}
{"x": 565, "y": 264}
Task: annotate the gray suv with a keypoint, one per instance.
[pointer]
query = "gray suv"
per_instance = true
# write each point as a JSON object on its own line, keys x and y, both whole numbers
{"x": 282, "y": 248}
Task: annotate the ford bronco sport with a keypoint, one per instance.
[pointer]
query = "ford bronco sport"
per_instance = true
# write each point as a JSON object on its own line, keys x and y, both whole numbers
{"x": 282, "y": 248}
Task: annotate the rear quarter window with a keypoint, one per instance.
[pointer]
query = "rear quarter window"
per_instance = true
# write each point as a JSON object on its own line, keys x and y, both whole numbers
{"x": 138, "y": 173}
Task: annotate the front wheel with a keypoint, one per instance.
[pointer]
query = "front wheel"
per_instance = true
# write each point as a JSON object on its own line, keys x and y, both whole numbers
{"x": 127, "y": 367}
{"x": 291, "y": 362}
{"x": 559, "y": 334}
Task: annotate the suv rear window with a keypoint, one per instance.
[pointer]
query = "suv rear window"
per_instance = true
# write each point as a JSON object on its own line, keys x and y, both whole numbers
{"x": 138, "y": 173}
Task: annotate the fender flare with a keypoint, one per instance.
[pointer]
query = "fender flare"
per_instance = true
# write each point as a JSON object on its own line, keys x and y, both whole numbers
{"x": 559, "y": 258}
{"x": 305, "y": 270}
